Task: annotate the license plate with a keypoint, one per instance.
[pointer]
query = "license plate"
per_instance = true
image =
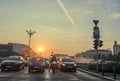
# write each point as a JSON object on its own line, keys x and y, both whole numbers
{"x": 69, "y": 66}
{"x": 36, "y": 67}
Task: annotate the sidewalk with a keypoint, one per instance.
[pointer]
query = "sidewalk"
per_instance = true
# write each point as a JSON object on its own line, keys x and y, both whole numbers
{"x": 95, "y": 74}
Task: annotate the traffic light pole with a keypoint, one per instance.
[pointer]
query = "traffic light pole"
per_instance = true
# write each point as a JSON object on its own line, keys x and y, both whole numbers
{"x": 97, "y": 61}
{"x": 97, "y": 41}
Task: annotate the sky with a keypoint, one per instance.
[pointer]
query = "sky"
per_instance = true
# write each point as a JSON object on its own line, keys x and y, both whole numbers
{"x": 62, "y": 26}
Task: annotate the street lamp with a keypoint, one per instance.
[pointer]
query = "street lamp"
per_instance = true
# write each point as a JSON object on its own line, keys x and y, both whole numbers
{"x": 30, "y": 33}
{"x": 115, "y": 59}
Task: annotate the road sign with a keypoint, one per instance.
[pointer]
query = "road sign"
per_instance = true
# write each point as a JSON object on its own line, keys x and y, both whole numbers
{"x": 96, "y": 22}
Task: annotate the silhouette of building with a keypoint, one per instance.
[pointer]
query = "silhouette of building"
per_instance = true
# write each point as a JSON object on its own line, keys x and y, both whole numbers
{"x": 116, "y": 48}
{"x": 14, "y": 48}
{"x": 86, "y": 57}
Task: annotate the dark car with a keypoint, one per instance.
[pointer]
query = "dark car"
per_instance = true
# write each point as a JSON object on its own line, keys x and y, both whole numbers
{"x": 13, "y": 63}
{"x": 67, "y": 63}
{"x": 36, "y": 64}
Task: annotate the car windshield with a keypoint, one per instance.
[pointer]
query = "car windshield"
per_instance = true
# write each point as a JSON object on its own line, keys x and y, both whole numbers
{"x": 13, "y": 58}
{"x": 67, "y": 60}
{"x": 36, "y": 59}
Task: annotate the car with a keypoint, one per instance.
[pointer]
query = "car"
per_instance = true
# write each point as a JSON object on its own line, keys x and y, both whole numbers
{"x": 37, "y": 64}
{"x": 67, "y": 63}
{"x": 13, "y": 63}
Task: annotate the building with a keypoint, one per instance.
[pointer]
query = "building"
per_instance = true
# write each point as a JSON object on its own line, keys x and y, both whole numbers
{"x": 14, "y": 48}
{"x": 88, "y": 56}
{"x": 18, "y": 48}
{"x": 5, "y": 49}
{"x": 116, "y": 48}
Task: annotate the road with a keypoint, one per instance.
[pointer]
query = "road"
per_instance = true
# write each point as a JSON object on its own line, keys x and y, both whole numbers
{"x": 23, "y": 75}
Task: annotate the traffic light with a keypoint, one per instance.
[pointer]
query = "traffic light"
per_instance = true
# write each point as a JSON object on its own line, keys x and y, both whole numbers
{"x": 100, "y": 43}
{"x": 95, "y": 44}
{"x": 96, "y": 33}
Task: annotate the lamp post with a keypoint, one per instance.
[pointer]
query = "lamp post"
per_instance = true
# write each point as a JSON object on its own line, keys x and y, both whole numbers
{"x": 30, "y": 33}
{"x": 115, "y": 59}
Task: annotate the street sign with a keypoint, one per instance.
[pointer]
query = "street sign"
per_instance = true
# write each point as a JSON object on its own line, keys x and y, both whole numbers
{"x": 96, "y": 22}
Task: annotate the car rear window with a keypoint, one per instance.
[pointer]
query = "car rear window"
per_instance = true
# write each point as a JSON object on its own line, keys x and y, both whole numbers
{"x": 13, "y": 58}
{"x": 36, "y": 59}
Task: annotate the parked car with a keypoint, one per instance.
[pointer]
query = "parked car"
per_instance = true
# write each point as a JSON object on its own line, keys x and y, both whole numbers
{"x": 37, "y": 64}
{"x": 67, "y": 63}
{"x": 13, "y": 63}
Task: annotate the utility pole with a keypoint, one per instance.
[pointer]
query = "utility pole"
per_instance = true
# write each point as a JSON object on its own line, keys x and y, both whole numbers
{"x": 97, "y": 41}
{"x": 30, "y": 33}
{"x": 115, "y": 52}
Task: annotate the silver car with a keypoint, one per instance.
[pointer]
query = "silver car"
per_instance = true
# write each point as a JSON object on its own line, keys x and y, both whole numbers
{"x": 13, "y": 63}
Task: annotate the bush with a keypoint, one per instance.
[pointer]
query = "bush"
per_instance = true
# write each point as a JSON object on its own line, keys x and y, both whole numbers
{"x": 118, "y": 68}
{"x": 92, "y": 66}
{"x": 106, "y": 67}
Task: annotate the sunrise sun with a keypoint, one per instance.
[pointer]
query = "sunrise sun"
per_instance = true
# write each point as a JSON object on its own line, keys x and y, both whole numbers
{"x": 40, "y": 49}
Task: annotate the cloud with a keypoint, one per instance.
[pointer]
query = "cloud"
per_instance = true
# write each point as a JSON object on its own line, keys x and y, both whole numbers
{"x": 115, "y": 16}
{"x": 51, "y": 28}
{"x": 66, "y": 13}
{"x": 94, "y": 1}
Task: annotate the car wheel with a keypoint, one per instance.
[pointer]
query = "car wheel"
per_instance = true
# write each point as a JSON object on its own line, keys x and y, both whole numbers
{"x": 29, "y": 71}
{"x": 2, "y": 70}
{"x": 74, "y": 70}
{"x": 23, "y": 67}
{"x": 42, "y": 70}
{"x": 19, "y": 68}
{"x": 60, "y": 69}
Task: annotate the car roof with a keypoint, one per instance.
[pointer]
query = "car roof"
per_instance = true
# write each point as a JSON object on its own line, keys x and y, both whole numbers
{"x": 66, "y": 58}
{"x": 15, "y": 56}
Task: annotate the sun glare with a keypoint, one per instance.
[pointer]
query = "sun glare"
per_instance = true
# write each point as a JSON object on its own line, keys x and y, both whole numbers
{"x": 40, "y": 49}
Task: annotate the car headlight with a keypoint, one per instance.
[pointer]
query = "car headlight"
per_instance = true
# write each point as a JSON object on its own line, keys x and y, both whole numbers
{"x": 63, "y": 64}
{"x": 75, "y": 64}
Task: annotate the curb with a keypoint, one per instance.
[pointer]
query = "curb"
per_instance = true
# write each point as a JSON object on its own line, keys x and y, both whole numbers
{"x": 98, "y": 75}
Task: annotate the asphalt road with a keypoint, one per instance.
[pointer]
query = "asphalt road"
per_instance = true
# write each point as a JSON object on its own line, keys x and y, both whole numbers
{"x": 23, "y": 75}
